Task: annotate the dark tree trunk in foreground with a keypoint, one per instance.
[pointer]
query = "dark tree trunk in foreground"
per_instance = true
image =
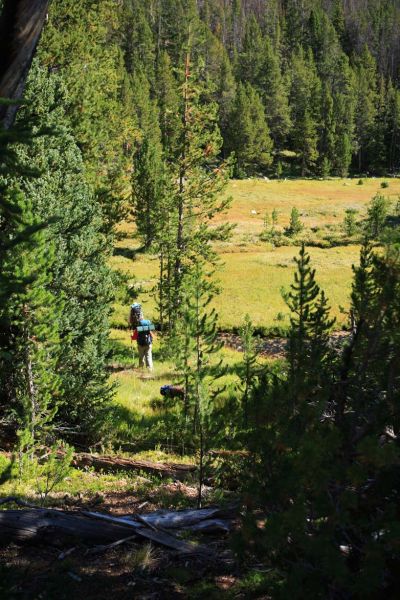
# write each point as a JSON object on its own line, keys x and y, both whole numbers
{"x": 21, "y": 23}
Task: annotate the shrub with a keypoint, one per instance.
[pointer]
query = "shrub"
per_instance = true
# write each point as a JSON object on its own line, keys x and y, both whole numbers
{"x": 376, "y": 216}
{"x": 350, "y": 222}
{"x": 295, "y": 225}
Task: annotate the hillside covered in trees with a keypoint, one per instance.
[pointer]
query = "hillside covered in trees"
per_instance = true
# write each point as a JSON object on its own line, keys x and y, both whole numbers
{"x": 306, "y": 87}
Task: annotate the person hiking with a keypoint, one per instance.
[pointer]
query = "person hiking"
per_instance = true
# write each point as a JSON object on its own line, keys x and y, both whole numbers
{"x": 142, "y": 329}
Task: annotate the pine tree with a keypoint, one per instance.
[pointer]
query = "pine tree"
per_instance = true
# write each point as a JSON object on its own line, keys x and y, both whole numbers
{"x": 250, "y": 59}
{"x": 33, "y": 316}
{"x": 275, "y": 96}
{"x": 195, "y": 342}
{"x": 148, "y": 165}
{"x": 20, "y": 234}
{"x": 379, "y": 158}
{"x": 295, "y": 224}
{"x": 167, "y": 94}
{"x": 323, "y": 468}
{"x": 376, "y": 216}
{"x": 137, "y": 41}
{"x": 237, "y": 18}
{"x": 148, "y": 189}
{"x": 365, "y": 109}
{"x": 309, "y": 352}
{"x": 325, "y": 44}
{"x": 225, "y": 94}
{"x": 304, "y": 101}
{"x": 339, "y": 21}
{"x": 249, "y": 136}
{"x": 393, "y": 127}
{"x": 248, "y": 367}
{"x": 80, "y": 276}
{"x": 174, "y": 20}
{"x": 85, "y": 50}
{"x": 344, "y": 109}
{"x": 194, "y": 191}
{"x": 327, "y": 146}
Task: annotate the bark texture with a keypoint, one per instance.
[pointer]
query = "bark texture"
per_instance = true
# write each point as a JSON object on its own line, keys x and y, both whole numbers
{"x": 21, "y": 23}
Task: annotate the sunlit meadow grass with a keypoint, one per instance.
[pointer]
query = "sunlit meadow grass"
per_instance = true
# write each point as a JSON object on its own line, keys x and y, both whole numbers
{"x": 135, "y": 414}
{"x": 251, "y": 282}
{"x": 319, "y": 202}
{"x": 252, "y": 276}
{"x": 253, "y": 273}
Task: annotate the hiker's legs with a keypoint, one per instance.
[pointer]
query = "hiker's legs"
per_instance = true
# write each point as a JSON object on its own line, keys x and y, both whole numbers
{"x": 149, "y": 358}
{"x": 142, "y": 353}
{"x": 145, "y": 357}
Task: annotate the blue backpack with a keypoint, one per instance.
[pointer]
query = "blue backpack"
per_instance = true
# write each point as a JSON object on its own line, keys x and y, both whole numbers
{"x": 144, "y": 330}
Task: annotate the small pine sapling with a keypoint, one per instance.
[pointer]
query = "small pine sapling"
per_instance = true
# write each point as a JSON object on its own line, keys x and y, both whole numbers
{"x": 309, "y": 327}
{"x": 350, "y": 225}
{"x": 270, "y": 222}
{"x": 195, "y": 343}
{"x": 376, "y": 216}
{"x": 55, "y": 468}
{"x": 248, "y": 366}
{"x": 295, "y": 224}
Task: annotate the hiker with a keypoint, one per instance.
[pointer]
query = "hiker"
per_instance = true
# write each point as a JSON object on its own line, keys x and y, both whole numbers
{"x": 142, "y": 329}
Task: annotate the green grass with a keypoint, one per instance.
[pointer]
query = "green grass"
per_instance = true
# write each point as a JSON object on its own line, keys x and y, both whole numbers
{"x": 320, "y": 203}
{"x": 251, "y": 279}
{"x": 141, "y": 421}
{"x": 75, "y": 483}
{"x": 251, "y": 282}
{"x": 254, "y": 273}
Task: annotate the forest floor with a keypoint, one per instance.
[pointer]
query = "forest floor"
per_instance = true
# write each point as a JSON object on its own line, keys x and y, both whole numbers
{"x": 69, "y": 570}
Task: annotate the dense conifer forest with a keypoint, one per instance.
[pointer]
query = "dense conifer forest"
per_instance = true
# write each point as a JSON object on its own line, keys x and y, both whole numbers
{"x": 130, "y": 118}
{"x": 314, "y": 84}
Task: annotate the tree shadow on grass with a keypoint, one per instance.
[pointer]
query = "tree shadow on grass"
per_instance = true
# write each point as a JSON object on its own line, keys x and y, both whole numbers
{"x": 34, "y": 571}
{"x": 143, "y": 432}
{"x": 125, "y": 252}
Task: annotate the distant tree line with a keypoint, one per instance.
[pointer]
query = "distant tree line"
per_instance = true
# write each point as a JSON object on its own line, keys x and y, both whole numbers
{"x": 303, "y": 88}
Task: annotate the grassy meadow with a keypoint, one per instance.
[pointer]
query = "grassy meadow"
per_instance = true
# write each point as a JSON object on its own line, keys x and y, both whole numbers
{"x": 251, "y": 278}
{"x": 253, "y": 272}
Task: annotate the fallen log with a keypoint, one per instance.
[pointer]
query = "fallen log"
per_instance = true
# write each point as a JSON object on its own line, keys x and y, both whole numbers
{"x": 183, "y": 519}
{"x": 43, "y": 524}
{"x": 113, "y": 463}
{"x": 160, "y": 537}
{"x": 50, "y": 524}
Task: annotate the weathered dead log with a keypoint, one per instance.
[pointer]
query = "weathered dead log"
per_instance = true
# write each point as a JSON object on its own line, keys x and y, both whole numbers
{"x": 160, "y": 537}
{"x": 21, "y": 23}
{"x": 183, "y": 519}
{"x": 35, "y": 524}
{"x": 47, "y": 524}
{"x": 113, "y": 463}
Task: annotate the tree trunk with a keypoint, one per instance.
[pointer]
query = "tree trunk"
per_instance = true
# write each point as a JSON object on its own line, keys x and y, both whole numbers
{"x": 21, "y": 23}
